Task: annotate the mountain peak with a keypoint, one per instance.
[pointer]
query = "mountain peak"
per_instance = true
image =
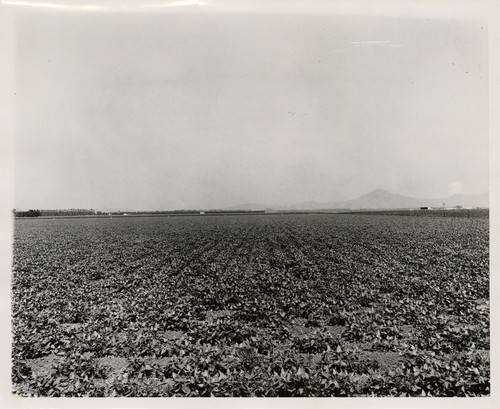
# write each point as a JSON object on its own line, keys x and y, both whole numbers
{"x": 380, "y": 199}
{"x": 380, "y": 192}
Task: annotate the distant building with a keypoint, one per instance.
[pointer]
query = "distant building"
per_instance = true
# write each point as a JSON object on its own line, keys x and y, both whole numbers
{"x": 425, "y": 208}
{"x": 202, "y": 212}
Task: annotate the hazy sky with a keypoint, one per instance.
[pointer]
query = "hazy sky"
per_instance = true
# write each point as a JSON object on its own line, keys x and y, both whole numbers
{"x": 197, "y": 110}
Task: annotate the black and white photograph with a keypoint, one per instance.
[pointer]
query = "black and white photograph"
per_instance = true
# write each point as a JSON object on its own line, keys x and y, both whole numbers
{"x": 236, "y": 199}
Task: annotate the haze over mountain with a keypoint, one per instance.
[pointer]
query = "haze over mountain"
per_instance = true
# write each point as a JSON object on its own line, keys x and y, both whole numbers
{"x": 377, "y": 199}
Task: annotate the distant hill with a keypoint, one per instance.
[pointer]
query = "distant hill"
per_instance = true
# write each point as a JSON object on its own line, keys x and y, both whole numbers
{"x": 378, "y": 199}
{"x": 382, "y": 199}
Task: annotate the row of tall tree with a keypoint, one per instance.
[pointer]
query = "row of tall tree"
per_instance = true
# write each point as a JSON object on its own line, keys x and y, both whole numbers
{"x": 91, "y": 212}
{"x": 54, "y": 212}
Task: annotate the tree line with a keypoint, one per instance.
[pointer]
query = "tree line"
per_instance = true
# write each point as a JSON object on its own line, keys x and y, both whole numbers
{"x": 92, "y": 212}
{"x": 54, "y": 212}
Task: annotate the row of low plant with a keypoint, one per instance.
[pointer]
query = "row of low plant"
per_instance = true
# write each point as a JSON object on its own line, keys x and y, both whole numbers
{"x": 242, "y": 371}
{"x": 268, "y": 285}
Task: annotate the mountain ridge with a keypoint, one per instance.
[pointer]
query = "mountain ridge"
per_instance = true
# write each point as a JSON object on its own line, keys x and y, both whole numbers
{"x": 377, "y": 199}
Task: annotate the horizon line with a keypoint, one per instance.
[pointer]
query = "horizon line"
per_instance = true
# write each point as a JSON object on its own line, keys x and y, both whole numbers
{"x": 235, "y": 206}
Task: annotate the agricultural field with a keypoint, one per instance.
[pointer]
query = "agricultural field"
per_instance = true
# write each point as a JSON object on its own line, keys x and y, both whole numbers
{"x": 255, "y": 305}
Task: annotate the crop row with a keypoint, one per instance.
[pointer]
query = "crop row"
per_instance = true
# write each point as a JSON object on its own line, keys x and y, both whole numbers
{"x": 282, "y": 305}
